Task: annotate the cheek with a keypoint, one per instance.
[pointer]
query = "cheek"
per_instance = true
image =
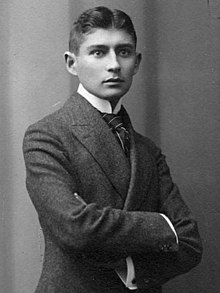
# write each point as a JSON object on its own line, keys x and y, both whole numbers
{"x": 130, "y": 73}
{"x": 85, "y": 73}
{"x": 129, "y": 69}
{"x": 89, "y": 71}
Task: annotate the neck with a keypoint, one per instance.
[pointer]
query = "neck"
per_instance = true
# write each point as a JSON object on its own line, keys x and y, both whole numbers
{"x": 114, "y": 103}
{"x": 100, "y": 104}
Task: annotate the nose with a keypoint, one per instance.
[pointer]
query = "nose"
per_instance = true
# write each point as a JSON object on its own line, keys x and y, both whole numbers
{"x": 113, "y": 64}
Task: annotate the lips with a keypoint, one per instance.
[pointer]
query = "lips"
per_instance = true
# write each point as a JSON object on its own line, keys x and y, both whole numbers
{"x": 114, "y": 80}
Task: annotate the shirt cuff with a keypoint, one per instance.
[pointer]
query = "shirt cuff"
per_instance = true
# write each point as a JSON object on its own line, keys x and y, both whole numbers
{"x": 127, "y": 275}
{"x": 171, "y": 226}
{"x": 130, "y": 281}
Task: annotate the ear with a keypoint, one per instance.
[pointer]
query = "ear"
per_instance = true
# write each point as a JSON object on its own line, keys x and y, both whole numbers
{"x": 137, "y": 62}
{"x": 70, "y": 60}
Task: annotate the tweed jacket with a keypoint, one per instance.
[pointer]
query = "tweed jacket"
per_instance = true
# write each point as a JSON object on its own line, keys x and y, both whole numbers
{"x": 96, "y": 206}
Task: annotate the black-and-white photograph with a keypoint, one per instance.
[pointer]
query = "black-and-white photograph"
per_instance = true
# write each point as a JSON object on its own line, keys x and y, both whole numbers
{"x": 109, "y": 146}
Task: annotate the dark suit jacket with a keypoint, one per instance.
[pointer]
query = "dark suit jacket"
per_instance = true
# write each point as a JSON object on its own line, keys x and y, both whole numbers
{"x": 117, "y": 211}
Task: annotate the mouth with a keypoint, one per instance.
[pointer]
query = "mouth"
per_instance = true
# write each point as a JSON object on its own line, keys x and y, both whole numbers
{"x": 114, "y": 80}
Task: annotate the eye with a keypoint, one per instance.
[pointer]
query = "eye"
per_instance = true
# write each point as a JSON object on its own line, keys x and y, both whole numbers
{"x": 125, "y": 52}
{"x": 97, "y": 53}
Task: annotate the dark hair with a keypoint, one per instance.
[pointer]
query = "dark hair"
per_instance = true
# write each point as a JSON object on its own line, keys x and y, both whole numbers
{"x": 99, "y": 17}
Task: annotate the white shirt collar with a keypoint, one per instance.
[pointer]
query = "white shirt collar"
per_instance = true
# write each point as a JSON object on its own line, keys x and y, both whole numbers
{"x": 100, "y": 104}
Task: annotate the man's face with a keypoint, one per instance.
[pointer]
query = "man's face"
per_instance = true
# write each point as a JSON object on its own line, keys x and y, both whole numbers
{"x": 106, "y": 63}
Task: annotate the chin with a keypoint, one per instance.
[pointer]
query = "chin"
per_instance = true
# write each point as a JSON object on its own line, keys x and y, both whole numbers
{"x": 114, "y": 97}
{"x": 115, "y": 94}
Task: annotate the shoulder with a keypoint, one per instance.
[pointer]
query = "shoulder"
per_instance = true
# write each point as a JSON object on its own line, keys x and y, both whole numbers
{"x": 51, "y": 130}
{"x": 56, "y": 122}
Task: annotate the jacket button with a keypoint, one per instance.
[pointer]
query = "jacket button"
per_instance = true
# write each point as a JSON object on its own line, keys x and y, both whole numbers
{"x": 161, "y": 247}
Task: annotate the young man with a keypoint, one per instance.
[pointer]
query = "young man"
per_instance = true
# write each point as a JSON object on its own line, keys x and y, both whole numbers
{"x": 112, "y": 218}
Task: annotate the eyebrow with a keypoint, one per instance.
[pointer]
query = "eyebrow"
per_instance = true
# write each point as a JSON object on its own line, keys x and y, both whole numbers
{"x": 127, "y": 45}
{"x": 95, "y": 47}
{"x": 118, "y": 46}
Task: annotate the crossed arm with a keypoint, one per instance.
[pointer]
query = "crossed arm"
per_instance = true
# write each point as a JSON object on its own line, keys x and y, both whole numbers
{"x": 108, "y": 235}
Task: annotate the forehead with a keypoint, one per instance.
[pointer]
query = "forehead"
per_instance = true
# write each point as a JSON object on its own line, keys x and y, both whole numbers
{"x": 106, "y": 37}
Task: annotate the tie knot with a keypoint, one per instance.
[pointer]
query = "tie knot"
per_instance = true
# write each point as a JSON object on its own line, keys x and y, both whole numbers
{"x": 113, "y": 120}
{"x": 115, "y": 123}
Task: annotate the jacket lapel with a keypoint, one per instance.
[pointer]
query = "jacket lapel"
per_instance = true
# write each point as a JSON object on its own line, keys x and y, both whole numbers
{"x": 92, "y": 131}
{"x": 141, "y": 170}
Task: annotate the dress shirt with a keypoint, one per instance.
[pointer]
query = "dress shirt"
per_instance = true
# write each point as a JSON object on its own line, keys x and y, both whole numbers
{"x": 128, "y": 275}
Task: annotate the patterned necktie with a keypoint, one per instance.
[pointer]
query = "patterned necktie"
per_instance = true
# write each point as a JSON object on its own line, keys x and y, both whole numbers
{"x": 116, "y": 125}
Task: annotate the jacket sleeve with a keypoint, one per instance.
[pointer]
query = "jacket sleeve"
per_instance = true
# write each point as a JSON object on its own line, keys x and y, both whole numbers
{"x": 156, "y": 268}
